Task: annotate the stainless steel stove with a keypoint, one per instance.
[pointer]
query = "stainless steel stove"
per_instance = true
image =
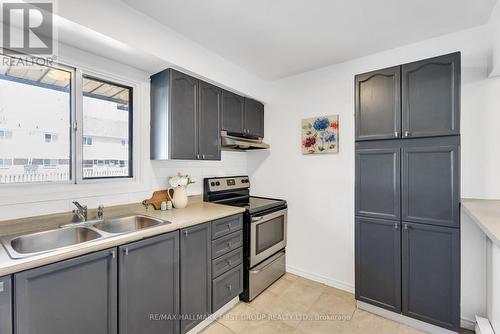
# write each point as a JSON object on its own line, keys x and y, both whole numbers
{"x": 264, "y": 231}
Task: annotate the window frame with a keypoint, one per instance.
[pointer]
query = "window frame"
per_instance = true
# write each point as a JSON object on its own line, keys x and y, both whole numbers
{"x": 76, "y": 127}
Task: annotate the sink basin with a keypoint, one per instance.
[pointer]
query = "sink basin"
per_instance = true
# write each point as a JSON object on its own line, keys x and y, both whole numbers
{"x": 31, "y": 244}
{"x": 128, "y": 224}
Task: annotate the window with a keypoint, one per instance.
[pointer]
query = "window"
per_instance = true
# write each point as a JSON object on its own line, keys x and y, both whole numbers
{"x": 5, "y": 134}
{"x": 35, "y": 109}
{"x": 107, "y": 124}
{"x": 39, "y": 106}
{"x": 50, "y": 137}
{"x": 87, "y": 141}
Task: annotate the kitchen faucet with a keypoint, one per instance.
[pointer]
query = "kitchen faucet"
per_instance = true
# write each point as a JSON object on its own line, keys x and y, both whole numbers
{"x": 80, "y": 212}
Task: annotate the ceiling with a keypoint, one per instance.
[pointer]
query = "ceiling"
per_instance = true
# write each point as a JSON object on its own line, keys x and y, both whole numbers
{"x": 279, "y": 38}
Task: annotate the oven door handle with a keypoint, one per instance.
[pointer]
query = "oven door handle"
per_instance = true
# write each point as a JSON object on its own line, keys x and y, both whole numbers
{"x": 269, "y": 216}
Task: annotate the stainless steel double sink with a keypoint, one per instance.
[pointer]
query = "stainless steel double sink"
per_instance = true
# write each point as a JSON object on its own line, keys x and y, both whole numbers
{"x": 70, "y": 235}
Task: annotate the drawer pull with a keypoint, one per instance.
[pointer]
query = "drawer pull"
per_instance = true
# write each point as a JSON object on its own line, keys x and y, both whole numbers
{"x": 229, "y": 226}
{"x": 229, "y": 287}
{"x": 229, "y": 262}
{"x": 1, "y": 287}
{"x": 229, "y": 244}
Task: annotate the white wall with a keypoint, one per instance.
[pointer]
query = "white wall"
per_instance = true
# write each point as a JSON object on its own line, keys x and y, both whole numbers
{"x": 320, "y": 188}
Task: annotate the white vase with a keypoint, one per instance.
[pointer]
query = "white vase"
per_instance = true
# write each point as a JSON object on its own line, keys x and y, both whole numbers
{"x": 180, "y": 197}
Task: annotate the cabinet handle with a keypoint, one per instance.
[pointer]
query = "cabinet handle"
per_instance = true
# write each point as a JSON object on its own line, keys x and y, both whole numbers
{"x": 229, "y": 244}
{"x": 2, "y": 287}
{"x": 113, "y": 254}
{"x": 203, "y": 156}
{"x": 186, "y": 233}
{"x": 229, "y": 262}
{"x": 396, "y": 226}
{"x": 406, "y": 226}
{"x": 230, "y": 287}
{"x": 126, "y": 251}
{"x": 407, "y": 133}
{"x": 228, "y": 226}
{"x": 396, "y": 134}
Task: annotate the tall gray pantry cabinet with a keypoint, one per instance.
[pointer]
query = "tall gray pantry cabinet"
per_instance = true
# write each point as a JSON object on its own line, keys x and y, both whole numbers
{"x": 407, "y": 203}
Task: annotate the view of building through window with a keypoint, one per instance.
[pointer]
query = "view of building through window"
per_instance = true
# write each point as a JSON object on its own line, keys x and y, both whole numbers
{"x": 106, "y": 127}
{"x": 35, "y": 126}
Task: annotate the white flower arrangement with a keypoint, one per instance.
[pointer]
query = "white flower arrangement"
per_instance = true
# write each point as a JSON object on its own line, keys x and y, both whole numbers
{"x": 181, "y": 180}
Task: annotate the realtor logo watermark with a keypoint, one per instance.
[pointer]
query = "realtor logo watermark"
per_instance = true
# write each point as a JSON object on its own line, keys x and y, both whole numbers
{"x": 28, "y": 28}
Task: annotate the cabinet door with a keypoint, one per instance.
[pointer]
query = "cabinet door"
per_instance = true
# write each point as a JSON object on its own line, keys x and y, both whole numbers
{"x": 378, "y": 262}
{"x": 149, "y": 285}
{"x": 233, "y": 110}
{"x": 5, "y": 305}
{"x": 210, "y": 106}
{"x": 77, "y": 296}
{"x": 431, "y": 97}
{"x": 378, "y": 104}
{"x": 378, "y": 185}
{"x": 431, "y": 181}
{"x": 431, "y": 274}
{"x": 196, "y": 275}
{"x": 183, "y": 116}
{"x": 254, "y": 118}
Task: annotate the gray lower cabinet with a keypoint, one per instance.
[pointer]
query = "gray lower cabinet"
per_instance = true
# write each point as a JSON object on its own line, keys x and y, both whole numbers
{"x": 254, "y": 118}
{"x": 77, "y": 296}
{"x": 431, "y": 181}
{"x": 149, "y": 286}
{"x": 431, "y": 97}
{"x": 227, "y": 286}
{"x": 233, "y": 112}
{"x": 195, "y": 275}
{"x": 378, "y": 262}
{"x": 431, "y": 274}
{"x": 5, "y": 305}
{"x": 210, "y": 106}
{"x": 378, "y": 104}
{"x": 378, "y": 179}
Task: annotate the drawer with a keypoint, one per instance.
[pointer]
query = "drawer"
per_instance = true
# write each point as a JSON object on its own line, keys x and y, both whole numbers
{"x": 224, "y": 226}
{"x": 226, "y": 262}
{"x": 227, "y": 243}
{"x": 226, "y": 287}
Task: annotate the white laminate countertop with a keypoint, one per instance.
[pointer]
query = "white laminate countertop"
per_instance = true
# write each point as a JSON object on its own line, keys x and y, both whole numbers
{"x": 485, "y": 213}
{"x": 196, "y": 212}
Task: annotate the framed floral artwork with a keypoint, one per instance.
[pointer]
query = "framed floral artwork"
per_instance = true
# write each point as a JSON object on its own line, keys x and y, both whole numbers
{"x": 320, "y": 134}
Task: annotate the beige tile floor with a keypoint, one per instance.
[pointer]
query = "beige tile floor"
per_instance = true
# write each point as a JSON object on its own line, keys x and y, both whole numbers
{"x": 294, "y": 304}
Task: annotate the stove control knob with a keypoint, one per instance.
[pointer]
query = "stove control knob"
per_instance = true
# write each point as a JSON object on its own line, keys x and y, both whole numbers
{"x": 212, "y": 184}
{"x": 217, "y": 183}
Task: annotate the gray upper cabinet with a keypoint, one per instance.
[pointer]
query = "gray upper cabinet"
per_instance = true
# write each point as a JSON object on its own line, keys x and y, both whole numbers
{"x": 430, "y": 181}
{"x": 210, "y": 105}
{"x": 185, "y": 117}
{"x": 5, "y": 305}
{"x": 149, "y": 285}
{"x": 431, "y": 97}
{"x": 378, "y": 179}
{"x": 77, "y": 296}
{"x": 183, "y": 120}
{"x": 378, "y": 104}
{"x": 196, "y": 275}
{"x": 431, "y": 274}
{"x": 254, "y": 118}
{"x": 378, "y": 262}
{"x": 233, "y": 112}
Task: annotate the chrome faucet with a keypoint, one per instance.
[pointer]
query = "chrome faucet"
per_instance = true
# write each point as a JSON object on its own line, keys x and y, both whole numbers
{"x": 80, "y": 212}
{"x": 100, "y": 212}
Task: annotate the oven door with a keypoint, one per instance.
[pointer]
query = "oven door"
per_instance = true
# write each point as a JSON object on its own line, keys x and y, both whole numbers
{"x": 267, "y": 235}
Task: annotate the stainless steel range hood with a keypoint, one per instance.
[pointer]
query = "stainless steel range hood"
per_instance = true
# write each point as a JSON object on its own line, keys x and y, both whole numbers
{"x": 235, "y": 142}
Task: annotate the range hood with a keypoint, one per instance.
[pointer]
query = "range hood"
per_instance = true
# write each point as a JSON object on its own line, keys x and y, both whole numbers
{"x": 237, "y": 142}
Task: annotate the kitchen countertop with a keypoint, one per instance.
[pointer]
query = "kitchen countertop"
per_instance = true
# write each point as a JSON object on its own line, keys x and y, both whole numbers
{"x": 196, "y": 212}
{"x": 485, "y": 213}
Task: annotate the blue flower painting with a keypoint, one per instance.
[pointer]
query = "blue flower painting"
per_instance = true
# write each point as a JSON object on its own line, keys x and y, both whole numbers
{"x": 320, "y": 135}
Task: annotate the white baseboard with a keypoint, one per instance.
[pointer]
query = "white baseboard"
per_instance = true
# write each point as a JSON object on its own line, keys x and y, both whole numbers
{"x": 213, "y": 317}
{"x": 468, "y": 324}
{"x": 321, "y": 279}
{"x": 417, "y": 324}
